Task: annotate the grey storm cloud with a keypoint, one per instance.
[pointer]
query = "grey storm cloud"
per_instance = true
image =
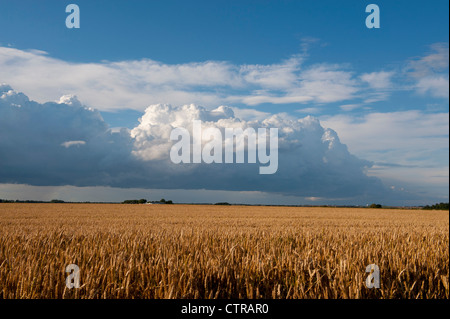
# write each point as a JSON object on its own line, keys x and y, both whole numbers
{"x": 67, "y": 143}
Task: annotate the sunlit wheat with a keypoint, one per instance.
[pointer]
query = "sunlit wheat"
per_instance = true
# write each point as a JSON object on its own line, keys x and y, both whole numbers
{"x": 187, "y": 251}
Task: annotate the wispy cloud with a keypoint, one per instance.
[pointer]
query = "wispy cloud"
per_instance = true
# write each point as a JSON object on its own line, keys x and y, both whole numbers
{"x": 430, "y": 72}
{"x": 350, "y": 107}
{"x": 136, "y": 84}
{"x": 68, "y": 144}
{"x": 139, "y": 83}
{"x": 378, "y": 80}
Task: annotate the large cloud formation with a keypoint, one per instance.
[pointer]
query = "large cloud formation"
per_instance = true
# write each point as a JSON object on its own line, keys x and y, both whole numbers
{"x": 66, "y": 143}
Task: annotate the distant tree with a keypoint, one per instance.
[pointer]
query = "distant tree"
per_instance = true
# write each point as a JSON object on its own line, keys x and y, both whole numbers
{"x": 222, "y": 203}
{"x": 375, "y": 206}
{"x": 440, "y": 206}
{"x": 162, "y": 200}
{"x": 135, "y": 201}
{"x": 130, "y": 201}
{"x": 169, "y": 202}
{"x": 56, "y": 201}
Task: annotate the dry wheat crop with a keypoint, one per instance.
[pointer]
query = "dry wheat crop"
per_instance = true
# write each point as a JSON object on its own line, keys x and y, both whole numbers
{"x": 193, "y": 251}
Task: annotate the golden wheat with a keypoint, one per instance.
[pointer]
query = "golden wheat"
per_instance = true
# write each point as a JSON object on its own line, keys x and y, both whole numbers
{"x": 187, "y": 251}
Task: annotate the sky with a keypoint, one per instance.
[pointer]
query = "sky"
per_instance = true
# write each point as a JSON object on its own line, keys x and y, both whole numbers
{"x": 362, "y": 113}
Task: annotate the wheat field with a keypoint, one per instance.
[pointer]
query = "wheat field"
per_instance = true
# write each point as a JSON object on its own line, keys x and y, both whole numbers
{"x": 200, "y": 251}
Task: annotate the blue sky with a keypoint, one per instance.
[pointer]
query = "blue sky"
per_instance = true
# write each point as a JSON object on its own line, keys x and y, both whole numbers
{"x": 384, "y": 91}
{"x": 259, "y": 32}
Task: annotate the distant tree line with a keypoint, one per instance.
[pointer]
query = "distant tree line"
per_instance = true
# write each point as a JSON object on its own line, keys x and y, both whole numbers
{"x": 144, "y": 201}
{"x": 440, "y": 206}
{"x": 30, "y": 201}
{"x": 56, "y": 201}
{"x": 6, "y": 201}
{"x": 134, "y": 201}
{"x": 375, "y": 206}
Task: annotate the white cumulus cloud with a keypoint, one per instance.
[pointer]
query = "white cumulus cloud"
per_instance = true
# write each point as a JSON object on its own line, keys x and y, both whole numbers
{"x": 312, "y": 160}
